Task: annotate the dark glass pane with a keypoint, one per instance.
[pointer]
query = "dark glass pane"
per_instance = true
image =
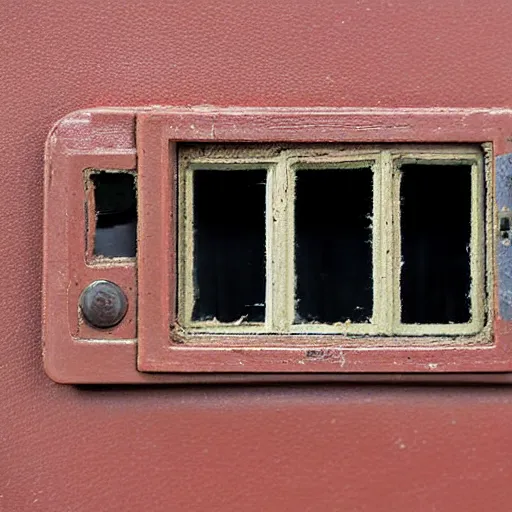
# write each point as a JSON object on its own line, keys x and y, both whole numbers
{"x": 436, "y": 230}
{"x": 229, "y": 245}
{"x": 115, "y": 202}
{"x": 333, "y": 255}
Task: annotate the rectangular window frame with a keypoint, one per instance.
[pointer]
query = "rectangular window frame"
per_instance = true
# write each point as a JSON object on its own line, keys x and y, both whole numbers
{"x": 164, "y": 345}
{"x": 282, "y": 162}
{"x": 481, "y": 263}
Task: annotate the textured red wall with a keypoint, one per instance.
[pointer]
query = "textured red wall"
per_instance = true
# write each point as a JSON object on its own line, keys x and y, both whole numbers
{"x": 323, "y": 447}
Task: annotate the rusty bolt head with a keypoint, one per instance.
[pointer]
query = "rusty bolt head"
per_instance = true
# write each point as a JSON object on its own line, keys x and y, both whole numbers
{"x": 103, "y": 304}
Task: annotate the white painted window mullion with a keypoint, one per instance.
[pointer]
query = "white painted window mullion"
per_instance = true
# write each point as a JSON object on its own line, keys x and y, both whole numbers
{"x": 385, "y": 245}
{"x": 280, "y": 254}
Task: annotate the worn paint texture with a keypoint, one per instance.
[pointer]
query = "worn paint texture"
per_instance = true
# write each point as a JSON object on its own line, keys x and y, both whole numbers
{"x": 503, "y": 248}
{"x": 310, "y": 447}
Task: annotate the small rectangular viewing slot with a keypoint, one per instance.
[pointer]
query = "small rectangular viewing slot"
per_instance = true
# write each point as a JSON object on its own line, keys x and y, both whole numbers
{"x": 436, "y": 240}
{"x": 115, "y": 204}
{"x": 333, "y": 245}
{"x": 229, "y": 245}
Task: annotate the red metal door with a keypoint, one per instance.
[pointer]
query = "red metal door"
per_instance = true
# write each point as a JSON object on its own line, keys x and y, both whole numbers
{"x": 234, "y": 447}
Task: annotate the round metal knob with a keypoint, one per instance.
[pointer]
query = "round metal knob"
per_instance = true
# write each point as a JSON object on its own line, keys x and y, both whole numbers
{"x": 103, "y": 304}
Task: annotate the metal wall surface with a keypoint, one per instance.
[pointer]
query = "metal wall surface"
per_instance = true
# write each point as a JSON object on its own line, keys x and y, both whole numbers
{"x": 296, "y": 447}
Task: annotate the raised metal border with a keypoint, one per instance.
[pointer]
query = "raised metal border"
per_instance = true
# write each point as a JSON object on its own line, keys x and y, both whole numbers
{"x": 142, "y": 137}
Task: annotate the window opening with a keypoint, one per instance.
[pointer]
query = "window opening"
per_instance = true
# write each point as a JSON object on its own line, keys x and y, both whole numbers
{"x": 115, "y": 205}
{"x": 436, "y": 235}
{"x": 333, "y": 245}
{"x": 229, "y": 245}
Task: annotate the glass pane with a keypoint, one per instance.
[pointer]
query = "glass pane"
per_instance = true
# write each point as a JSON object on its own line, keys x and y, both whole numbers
{"x": 333, "y": 253}
{"x": 115, "y": 202}
{"x": 436, "y": 230}
{"x": 229, "y": 245}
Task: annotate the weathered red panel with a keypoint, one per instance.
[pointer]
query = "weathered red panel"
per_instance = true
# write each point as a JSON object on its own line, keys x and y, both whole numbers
{"x": 298, "y": 447}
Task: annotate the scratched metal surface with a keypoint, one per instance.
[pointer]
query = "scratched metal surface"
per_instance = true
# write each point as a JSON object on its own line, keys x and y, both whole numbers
{"x": 504, "y": 250}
